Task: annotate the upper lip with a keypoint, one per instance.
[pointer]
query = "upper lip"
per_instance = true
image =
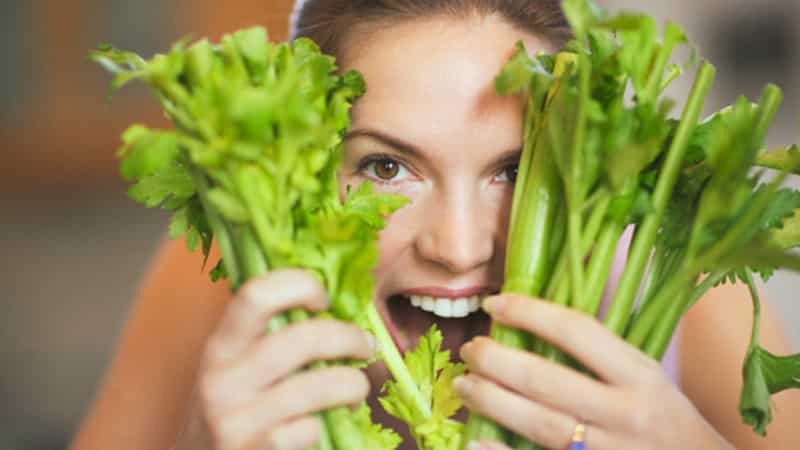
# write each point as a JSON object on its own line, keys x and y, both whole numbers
{"x": 445, "y": 292}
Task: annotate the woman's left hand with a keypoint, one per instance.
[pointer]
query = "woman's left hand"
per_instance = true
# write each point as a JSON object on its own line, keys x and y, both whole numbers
{"x": 630, "y": 405}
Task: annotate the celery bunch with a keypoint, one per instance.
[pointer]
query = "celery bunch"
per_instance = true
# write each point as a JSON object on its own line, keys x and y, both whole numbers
{"x": 602, "y": 154}
{"x": 252, "y": 164}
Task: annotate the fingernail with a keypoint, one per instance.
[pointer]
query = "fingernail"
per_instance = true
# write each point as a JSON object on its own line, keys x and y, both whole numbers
{"x": 463, "y": 385}
{"x": 475, "y": 445}
{"x": 372, "y": 341}
{"x": 494, "y": 304}
{"x": 464, "y": 350}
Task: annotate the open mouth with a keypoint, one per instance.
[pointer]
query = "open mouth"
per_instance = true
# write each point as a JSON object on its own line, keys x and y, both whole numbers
{"x": 460, "y": 319}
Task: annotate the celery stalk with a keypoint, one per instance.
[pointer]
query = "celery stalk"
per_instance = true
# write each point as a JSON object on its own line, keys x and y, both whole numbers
{"x": 621, "y": 304}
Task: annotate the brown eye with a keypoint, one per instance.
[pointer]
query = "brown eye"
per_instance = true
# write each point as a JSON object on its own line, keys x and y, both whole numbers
{"x": 386, "y": 169}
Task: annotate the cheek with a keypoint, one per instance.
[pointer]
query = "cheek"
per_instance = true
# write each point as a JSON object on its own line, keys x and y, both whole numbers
{"x": 501, "y": 212}
{"x": 395, "y": 240}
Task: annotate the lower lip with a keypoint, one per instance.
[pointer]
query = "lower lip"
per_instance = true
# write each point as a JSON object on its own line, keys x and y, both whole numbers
{"x": 391, "y": 327}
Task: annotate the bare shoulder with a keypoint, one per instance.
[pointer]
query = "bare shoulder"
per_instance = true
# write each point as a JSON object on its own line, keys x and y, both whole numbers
{"x": 713, "y": 342}
{"x": 144, "y": 396}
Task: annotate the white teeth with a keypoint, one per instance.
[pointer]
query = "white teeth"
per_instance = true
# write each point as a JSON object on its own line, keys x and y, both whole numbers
{"x": 460, "y": 307}
{"x": 444, "y": 308}
{"x": 447, "y": 307}
{"x": 428, "y": 304}
{"x": 474, "y": 303}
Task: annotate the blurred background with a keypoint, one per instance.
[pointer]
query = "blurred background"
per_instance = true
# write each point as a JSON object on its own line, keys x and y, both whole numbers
{"x": 76, "y": 247}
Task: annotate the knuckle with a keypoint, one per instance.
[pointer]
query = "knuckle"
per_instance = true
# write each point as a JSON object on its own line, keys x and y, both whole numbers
{"x": 332, "y": 338}
{"x": 570, "y": 329}
{"x": 320, "y": 334}
{"x": 213, "y": 392}
{"x": 543, "y": 427}
{"x": 312, "y": 287}
{"x": 654, "y": 383}
{"x": 639, "y": 415}
{"x": 516, "y": 306}
{"x": 536, "y": 388}
{"x": 216, "y": 352}
{"x": 312, "y": 427}
{"x": 254, "y": 293}
{"x": 650, "y": 364}
{"x": 275, "y": 440}
{"x": 295, "y": 275}
{"x": 480, "y": 391}
{"x": 228, "y": 434}
{"x": 263, "y": 291}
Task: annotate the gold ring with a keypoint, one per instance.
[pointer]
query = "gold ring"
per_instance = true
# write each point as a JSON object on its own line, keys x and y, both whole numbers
{"x": 578, "y": 441}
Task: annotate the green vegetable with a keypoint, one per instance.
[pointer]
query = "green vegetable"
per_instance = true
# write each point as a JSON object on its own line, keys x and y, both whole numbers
{"x": 252, "y": 163}
{"x": 764, "y": 373}
{"x": 600, "y": 141}
{"x": 433, "y": 374}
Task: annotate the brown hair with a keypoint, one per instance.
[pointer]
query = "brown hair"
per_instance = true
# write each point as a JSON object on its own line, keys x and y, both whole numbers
{"x": 328, "y": 21}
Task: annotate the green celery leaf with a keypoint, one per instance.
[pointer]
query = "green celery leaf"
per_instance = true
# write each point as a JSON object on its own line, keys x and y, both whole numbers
{"x": 146, "y": 151}
{"x": 179, "y": 224}
{"x": 760, "y": 252}
{"x": 200, "y": 231}
{"x": 375, "y": 436}
{"x": 433, "y": 372}
{"x": 784, "y": 205}
{"x": 761, "y": 255}
{"x": 519, "y": 73}
{"x": 252, "y": 44}
{"x": 787, "y": 236}
{"x": 786, "y": 159}
{"x": 169, "y": 188}
{"x": 765, "y": 374}
{"x": 218, "y": 272}
{"x": 581, "y": 15}
{"x": 372, "y": 208}
{"x": 199, "y": 64}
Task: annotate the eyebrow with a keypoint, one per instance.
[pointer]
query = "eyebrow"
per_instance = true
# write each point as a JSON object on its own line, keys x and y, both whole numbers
{"x": 506, "y": 157}
{"x": 398, "y": 144}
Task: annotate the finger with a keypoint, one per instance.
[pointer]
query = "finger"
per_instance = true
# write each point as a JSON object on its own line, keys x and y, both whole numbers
{"x": 299, "y": 434}
{"x": 544, "y": 382}
{"x": 529, "y": 419}
{"x": 578, "y": 334}
{"x": 255, "y": 303}
{"x": 297, "y": 396}
{"x": 282, "y": 353}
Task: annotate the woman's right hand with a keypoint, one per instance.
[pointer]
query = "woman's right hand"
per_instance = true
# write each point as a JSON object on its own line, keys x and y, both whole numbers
{"x": 250, "y": 393}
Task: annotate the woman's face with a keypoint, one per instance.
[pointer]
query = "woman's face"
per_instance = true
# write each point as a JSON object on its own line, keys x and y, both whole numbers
{"x": 432, "y": 128}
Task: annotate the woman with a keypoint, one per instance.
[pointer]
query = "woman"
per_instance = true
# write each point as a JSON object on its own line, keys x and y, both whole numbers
{"x": 432, "y": 129}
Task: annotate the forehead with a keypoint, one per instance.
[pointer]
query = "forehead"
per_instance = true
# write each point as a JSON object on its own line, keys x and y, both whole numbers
{"x": 436, "y": 72}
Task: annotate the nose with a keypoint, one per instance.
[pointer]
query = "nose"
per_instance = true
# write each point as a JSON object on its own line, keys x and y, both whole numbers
{"x": 458, "y": 233}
